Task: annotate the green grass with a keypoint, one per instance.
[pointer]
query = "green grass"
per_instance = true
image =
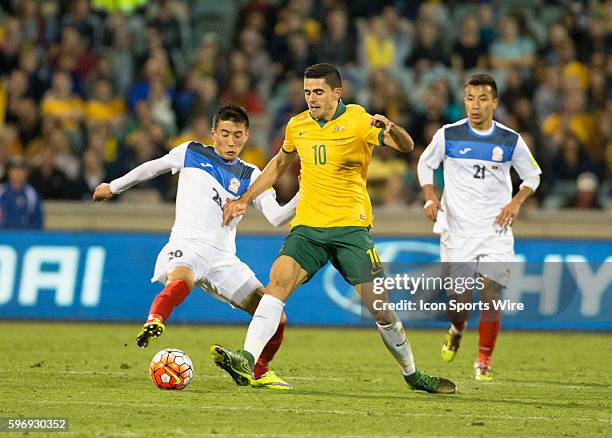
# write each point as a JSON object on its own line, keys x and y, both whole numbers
{"x": 346, "y": 384}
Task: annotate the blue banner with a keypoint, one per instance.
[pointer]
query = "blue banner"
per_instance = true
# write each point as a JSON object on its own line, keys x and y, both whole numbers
{"x": 106, "y": 277}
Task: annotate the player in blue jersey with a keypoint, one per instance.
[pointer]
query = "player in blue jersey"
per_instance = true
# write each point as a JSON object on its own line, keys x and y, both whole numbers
{"x": 477, "y": 210}
{"x": 201, "y": 251}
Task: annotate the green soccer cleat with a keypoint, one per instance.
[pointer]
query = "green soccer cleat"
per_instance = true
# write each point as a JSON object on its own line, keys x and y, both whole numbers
{"x": 483, "y": 372}
{"x": 452, "y": 340}
{"x": 239, "y": 364}
{"x": 270, "y": 380}
{"x": 151, "y": 329}
{"x": 437, "y": 385}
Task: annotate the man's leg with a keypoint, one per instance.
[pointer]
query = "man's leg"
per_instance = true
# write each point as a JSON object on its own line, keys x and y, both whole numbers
{"x": 458, "y": 316}
{"x": 179, "y": 282}
{"x": 389, "y": 326}
{"x": 393, "y": 335}
{"x": 488, "y": 328}
{"x": 249, "y": 305}
{"x": 285, "y": 276}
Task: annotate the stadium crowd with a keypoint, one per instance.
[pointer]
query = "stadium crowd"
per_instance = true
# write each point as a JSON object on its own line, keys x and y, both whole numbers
{"x": 92, "y": 88}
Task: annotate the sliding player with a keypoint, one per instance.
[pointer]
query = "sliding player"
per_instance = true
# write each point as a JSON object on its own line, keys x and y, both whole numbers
{"x": 201, "y": 252}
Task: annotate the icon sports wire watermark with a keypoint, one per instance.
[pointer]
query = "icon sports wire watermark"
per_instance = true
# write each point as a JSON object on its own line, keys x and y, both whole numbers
{"x": 34, "y": 424}
{"x": 531, "y": 292}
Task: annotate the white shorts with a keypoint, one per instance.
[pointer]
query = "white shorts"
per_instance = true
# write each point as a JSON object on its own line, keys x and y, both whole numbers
{"x": 221, "y": 274}
{"x": 488, "y": 256}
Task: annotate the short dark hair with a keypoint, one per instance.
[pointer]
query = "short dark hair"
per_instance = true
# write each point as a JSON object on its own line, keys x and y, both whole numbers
{"x": 483, "y": 79}
{"x": 328, "y": 72}
{"x": 234, "y": 113}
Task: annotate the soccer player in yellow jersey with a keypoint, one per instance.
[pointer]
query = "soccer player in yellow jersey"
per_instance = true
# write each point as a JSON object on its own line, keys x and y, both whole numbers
{"x": 334, "y": 143}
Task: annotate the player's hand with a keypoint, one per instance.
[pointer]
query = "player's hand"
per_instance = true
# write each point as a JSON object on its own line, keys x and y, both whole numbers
{"x": 233, "y": 209}
{"x": 102, "y": 192}
{"x": 507, "y": 216}
{"x": 431, "y": 207}
{"x": 380, "y": 121}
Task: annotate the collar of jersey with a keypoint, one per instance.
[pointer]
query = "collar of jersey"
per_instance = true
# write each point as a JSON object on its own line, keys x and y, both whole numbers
{"x": 488, "y": 133}
{"x": 339, "y": 111}
{"x": 227, "y": 163}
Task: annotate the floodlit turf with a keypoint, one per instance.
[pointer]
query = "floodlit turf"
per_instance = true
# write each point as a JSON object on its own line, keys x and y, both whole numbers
{"x": 346, "y": 384}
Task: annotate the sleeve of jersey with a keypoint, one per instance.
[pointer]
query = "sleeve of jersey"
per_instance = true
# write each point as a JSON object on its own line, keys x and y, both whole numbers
{"x": 431, "y": 158}
{"x": 266, "y": 203}
{"x": 371, "y": 134}
{"x": 273, "y": 212}
{"x": 526, "y": 166}
{"x": 288, "y": 145}
{"x": 149, "y": 170}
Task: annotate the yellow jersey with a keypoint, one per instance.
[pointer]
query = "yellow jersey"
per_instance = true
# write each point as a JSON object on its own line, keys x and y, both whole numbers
{"x": 334, "y": 156}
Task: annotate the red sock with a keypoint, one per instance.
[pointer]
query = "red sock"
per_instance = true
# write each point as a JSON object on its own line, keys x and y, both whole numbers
{"x": 261, "y": 367}
{"x": 164, "y": 303}
{"x": 488, "y": 328}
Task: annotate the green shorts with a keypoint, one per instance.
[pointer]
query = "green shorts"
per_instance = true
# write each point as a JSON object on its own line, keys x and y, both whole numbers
{"x": 350, "y": 249}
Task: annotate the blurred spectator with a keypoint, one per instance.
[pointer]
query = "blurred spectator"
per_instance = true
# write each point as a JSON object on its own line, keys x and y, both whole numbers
{"x": 92, "y": 173}
{"x": 511, "y": 49}
{"x": 73, "y": 55}
{"x": 299, "y": 55}
{"x": 27, "y": 11}
{"x": 20, "y": 205}
{"x": 401, "y": 32}
{"x": 37, "y": 74}
{"x": 337, "y": 46}
{"x": 239, "y": 92}
{"x": 252, "y": 46}
{"x": 587, "y": 187}
{"x": 160, "y": 102}
{"x": 121, "y": 60}
{"x": 428, "y": 50}
{"x": 62, "y": 105}
{"x": 103, "y": 105}
{"x": 47, "y": 179}
{"x": 10, "y": 44}
{"x": 547, "y": 97}
{"x": 87, "y": 24}
{"x": 575, "y": 119}
{"x": 468, "y": 50}
{"x": 378, "y": 46}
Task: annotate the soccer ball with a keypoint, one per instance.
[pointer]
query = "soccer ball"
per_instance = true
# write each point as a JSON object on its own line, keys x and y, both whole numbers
{"x": 171, "y": 369}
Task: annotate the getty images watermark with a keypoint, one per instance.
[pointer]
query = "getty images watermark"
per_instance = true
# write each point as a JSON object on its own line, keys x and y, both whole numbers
{"x": 530, "y": 292}
{"x": 457, "y": 285}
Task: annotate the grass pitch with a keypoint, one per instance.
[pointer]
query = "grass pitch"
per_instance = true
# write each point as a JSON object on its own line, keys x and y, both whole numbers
{"x": 346, "y": 384}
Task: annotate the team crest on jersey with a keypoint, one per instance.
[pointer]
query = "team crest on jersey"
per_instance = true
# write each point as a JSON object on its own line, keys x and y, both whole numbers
{"x": 234, "y": 185}
{"x": 498, "y": 154}
{"x": 338, "y": 128}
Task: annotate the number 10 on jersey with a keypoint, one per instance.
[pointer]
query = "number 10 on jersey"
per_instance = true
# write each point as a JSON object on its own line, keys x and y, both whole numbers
{"x": 320, "y": 154}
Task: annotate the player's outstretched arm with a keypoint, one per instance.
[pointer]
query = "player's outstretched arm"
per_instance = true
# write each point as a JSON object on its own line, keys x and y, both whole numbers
{"x": 273, "y": 212}
{"x": 144, "y": 172}
{"x": 275, "y": 168}
{"x": 393, "y": 135}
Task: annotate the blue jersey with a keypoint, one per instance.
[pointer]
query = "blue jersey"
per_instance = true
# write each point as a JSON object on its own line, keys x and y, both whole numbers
{"x": 20, "y": 208}
{"x": 477, "y": 182}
